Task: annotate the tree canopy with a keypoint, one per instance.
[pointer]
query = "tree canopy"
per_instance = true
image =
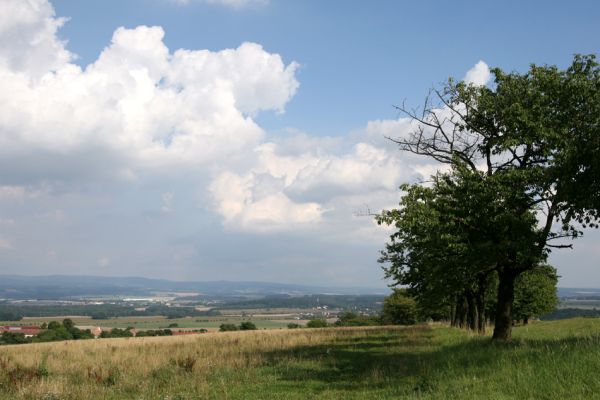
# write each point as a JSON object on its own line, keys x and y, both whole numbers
{"x": 523, "y": 156}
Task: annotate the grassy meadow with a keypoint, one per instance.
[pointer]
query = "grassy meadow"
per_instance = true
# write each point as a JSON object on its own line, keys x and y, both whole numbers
{"x": 546, "y": 360}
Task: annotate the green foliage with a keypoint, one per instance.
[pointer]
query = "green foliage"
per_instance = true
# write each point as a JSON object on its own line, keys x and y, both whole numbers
{"x": 399, "y": 309}
{"x": 247, "y": 326}
{"x": 228, "y": 327}
{"x": 353, "y": 319}
{"x": 52, "y": 325}
{"x": 293, "y": 325}
{"x": 523, "y": 153}
{"x": 116, "y": 333}
{"x": 13, "y": 338}
{"x": 317, "y": 323}
{"x": 535, "y": 293}
{"x": 68, "y": 324}
{"x": 155, "y": 332}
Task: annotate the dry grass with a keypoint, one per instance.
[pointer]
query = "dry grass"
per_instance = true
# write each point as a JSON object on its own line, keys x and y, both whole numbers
{"x": 549, "y": 360}
{"x": 155, "y": 367}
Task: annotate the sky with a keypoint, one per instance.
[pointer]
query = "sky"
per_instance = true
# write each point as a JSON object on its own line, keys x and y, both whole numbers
{"x": 239, "y": 139}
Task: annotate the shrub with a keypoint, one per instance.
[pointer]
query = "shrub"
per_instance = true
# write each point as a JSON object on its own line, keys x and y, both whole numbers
{"x": 247, "y": 326}
{"x": 54, "y": 325}
{"x": 317, "y": 323}
{"x": 400, "y": 309}
{"x": 227, "y": 327}
{"x": 293, "y": 325}
{"x": 13, "y": 338}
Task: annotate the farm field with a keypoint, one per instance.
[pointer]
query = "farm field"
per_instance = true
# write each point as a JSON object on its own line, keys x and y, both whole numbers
{"x": 549, "y": 360}
{"x": 581, "y": 304}
{"x": 161, "y": 322}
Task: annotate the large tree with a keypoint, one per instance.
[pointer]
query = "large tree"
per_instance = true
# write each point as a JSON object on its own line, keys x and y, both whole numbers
{"x": 451, "y": 236}
{"x": 533, "y": 137}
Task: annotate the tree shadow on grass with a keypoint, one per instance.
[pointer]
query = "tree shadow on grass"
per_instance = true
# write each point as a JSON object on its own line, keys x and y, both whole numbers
{"x": 412, "y": 362}
{"x": 390, "y": 359}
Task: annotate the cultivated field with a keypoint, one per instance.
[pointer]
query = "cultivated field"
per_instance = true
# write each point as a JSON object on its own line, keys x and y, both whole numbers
{"x": 161, "y": 322}
{"x": 547, "y": 360}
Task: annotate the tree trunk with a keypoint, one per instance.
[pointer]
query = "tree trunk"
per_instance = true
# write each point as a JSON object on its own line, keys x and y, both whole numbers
{"x": 506, "y": 295}
{"x": 471, "y": 311}
{"x": 525, "y": 321}
{"x": 481, "y": 307}
{"x": 453, "y": 312}
{"x": 460, "y": 314}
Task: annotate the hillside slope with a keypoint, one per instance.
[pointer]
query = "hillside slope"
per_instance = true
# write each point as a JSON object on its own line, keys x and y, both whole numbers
{"x": 550, "y": 360}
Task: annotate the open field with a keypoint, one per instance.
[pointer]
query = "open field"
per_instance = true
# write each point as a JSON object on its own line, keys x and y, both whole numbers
{"x": 548, "y": 360}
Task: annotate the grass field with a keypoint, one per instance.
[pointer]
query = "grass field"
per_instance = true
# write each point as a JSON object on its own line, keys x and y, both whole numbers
{"x": 546, "y": 360}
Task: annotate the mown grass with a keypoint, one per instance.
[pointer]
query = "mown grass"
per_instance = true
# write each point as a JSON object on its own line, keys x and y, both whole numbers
{"x": 546, "y": 360}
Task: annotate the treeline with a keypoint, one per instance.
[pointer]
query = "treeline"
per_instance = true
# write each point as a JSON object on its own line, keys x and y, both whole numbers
{"x": 15, "y": 312}
{"x": 564, "y": 313}
{"x": 57, "y": 331}
{"x": 243, "y": 326}
{"x": 128, "y": 332}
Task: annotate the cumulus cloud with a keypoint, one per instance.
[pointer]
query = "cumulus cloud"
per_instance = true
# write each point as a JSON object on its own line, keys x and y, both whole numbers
{"x": 284, "y": 191}
{"x": 28, "y": 40}
{"x": 103, "y": 142}
{"x": 255, "y": 202}
{"x": 142, "y": 110}
{"x": 478, "y": 75}
{"x": 137, "y": 106}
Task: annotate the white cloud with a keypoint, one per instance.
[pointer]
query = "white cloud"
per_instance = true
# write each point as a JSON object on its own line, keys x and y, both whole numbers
{"x": 28, "y": 40}
{"x": 141, "y": 110}
{"x": 105, "y": 140}
{"x": 138, "y": 106}
{"x": 478, "y": 75}
{"x": 254, "y": 202}
{"x": 289, "y": 191}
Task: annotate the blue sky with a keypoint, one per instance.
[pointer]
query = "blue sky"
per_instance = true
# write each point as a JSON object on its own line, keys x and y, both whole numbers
{"x": 358, "y": 58}
{"x": 249, "y": 154}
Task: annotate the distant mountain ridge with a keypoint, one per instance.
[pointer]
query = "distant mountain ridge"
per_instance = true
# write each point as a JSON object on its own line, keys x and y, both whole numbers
{"x": 65, "y": 286}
